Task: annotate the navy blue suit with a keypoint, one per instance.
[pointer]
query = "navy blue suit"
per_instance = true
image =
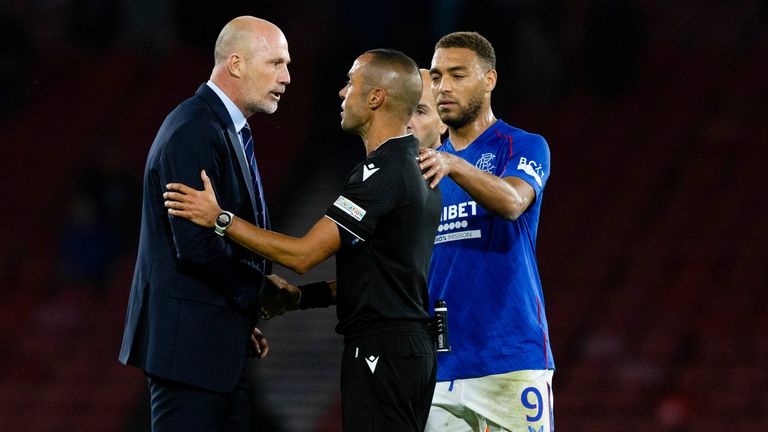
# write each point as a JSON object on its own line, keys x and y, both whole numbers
{"x": 192, "y": 305}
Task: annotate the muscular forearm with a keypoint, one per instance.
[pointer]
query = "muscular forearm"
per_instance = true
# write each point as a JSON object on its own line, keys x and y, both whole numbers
{"x": 298, "y": 254}
{"x": 492, "y": 193}
{"x": 287, "y": 251}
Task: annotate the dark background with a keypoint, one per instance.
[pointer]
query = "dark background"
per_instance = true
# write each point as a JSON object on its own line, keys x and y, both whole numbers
{"x": 652, "y": 242}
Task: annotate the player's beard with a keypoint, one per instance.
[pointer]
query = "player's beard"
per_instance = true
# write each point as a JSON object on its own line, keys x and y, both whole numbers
{"x": 465, "y": 115}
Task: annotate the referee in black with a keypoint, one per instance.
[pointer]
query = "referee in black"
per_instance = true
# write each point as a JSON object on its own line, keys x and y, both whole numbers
{"x": 381, "y": 228}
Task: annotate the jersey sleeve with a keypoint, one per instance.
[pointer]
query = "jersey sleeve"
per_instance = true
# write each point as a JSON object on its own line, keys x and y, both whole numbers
{"x": 369, "y": 194}
{"x": 530, "y": 162}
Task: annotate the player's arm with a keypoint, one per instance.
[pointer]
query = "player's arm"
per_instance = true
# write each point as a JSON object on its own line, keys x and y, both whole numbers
{"x": 298, "y": 254}
{"x": 507, "y": 197}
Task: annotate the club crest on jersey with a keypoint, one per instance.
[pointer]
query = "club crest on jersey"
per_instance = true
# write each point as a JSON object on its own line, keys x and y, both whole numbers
{"x": 485, "y": 162}
{"x": 531, "y": 168}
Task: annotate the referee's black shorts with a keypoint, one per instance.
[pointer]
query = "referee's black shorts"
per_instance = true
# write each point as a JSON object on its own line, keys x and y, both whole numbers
{"x": 388, "y": 376}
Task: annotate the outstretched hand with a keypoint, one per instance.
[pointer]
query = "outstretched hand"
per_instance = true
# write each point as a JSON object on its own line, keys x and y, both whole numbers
{"x": 199, "y": 207}
{"x": 435, "y": 165}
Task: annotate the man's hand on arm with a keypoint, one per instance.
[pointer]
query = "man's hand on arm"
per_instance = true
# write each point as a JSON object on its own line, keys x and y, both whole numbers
{"x": 435, "y": 165}
{"x": 298, "y": 254}
{"x": 199, "y": 207}
{"x": 506, "y": 197}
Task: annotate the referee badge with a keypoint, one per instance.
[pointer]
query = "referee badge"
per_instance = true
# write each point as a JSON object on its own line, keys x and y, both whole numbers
{"x": 347, "y": 206}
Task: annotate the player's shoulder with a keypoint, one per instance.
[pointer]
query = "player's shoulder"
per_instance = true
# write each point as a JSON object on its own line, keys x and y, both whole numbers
{"x": 396, "y": 154}
{"x": 371, "y": 171}
{"x": 385, "y": 167}
{"x": 524, "y": 139}
{"x": 521, "y": 135}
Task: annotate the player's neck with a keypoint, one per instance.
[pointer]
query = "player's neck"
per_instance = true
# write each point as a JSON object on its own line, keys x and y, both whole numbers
{"x": 462, "y": 137}
{"x": 378, "y": 134}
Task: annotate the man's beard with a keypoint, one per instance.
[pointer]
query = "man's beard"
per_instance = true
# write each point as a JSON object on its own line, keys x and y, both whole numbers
{"x": 265, "y": 107}
{"x": 466, "y": 115}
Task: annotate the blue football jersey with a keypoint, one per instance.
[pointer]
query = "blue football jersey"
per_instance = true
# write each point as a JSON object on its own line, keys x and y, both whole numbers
{"x": 484, "y": 266}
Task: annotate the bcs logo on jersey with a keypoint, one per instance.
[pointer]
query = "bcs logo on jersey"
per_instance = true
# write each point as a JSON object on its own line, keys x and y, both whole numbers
{"x": 531, "y": 168}
{"x": 485, "y": 162}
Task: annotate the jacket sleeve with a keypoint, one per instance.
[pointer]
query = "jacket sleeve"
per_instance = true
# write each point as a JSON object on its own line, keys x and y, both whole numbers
{"x": 199, "y": 251}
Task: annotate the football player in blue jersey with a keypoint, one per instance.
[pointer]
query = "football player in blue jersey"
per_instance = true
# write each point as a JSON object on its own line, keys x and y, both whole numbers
{"x": 498, "y": 374}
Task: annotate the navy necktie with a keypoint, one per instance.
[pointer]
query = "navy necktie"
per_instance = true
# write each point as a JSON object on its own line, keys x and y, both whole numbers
{"x": 261, "y": 220}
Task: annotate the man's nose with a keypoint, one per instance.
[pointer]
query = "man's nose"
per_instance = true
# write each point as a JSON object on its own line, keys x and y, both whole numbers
{"x": 285, "y": 78}
{"x": 443, "y": 86}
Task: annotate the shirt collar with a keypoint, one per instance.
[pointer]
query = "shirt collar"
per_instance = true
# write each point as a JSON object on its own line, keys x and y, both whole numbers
{"x": 409, "y": 134}
{"x": 234, "y": 112}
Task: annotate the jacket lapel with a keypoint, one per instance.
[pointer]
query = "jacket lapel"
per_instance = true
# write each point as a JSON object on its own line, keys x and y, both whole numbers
{"x": 220, "y": 111}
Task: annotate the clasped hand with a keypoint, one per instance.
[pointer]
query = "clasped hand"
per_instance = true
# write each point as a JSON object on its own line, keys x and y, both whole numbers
{"x": 276, "y": 299}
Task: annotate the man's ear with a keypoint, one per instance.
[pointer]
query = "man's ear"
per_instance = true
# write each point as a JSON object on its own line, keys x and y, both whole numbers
{"x": 490, "y": 80}
{"x": 376, "y": 98}
{"x": 235, "y": 65}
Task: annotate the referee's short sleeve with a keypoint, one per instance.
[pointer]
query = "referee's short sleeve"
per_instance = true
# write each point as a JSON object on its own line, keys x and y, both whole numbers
{"x": 369, "y": 194}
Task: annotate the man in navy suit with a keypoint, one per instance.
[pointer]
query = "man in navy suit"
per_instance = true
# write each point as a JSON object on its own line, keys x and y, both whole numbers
{"x": 194, "y": 299}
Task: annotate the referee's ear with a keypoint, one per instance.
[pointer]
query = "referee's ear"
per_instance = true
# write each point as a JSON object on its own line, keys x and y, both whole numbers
{"x": 376, "y": 98}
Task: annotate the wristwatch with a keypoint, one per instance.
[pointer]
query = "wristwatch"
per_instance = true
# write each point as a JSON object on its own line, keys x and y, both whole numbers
{"x": 223, "y": 221}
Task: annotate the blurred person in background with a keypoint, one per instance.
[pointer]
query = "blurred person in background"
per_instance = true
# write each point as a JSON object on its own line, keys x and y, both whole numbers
{"x": 498, "y": 375}
{"x": 194, "y": 304}
{"x": 381, "y": 229}
{"x": 425, "y": 124}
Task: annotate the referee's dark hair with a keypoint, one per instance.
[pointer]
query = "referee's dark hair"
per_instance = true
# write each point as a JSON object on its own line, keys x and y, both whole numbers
{"x": 472, "y": 41}
{"x": 404, "y": 87}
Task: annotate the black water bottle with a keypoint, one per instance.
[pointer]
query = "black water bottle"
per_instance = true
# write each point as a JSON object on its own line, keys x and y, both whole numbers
{"x": 441, "y": 326}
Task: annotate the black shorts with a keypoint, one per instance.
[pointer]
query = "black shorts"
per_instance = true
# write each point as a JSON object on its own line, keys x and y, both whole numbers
{"x": 388, "y": 378}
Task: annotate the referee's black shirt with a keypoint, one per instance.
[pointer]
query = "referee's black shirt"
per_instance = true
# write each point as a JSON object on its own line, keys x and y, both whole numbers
{"x": 387, "y": 217}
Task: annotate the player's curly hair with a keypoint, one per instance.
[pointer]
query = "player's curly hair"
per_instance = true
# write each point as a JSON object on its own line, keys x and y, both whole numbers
{"x": 472, "y": 41}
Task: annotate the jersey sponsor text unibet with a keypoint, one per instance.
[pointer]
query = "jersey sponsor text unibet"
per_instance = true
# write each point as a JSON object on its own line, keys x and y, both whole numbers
{"x": 485, "y": 268}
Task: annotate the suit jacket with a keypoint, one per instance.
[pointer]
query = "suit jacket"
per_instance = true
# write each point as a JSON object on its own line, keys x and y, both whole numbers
{"x": 193, "y": 298}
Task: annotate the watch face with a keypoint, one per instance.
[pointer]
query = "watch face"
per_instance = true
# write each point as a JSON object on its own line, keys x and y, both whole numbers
{"x": 223, "y": 219}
